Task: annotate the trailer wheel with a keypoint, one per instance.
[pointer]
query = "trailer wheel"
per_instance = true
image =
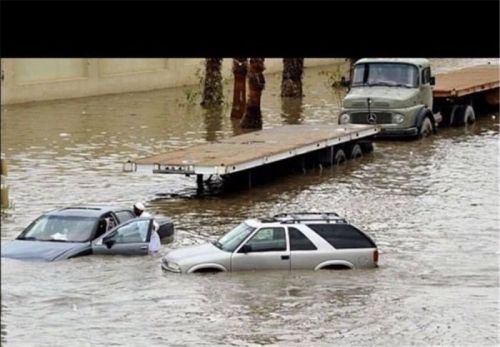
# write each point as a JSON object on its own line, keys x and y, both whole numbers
{"x": 340, "y": 157}
{"x": 425, "y": 128}
{"x": 356, "y": 152}
{"x": 469, "y": 115}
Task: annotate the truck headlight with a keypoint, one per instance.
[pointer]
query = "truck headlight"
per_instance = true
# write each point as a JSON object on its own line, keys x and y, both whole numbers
{"x": 344, "y": 118}
{"x": 398, "y": 118}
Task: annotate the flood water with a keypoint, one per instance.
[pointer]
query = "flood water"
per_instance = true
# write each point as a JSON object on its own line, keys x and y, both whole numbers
{"x": 431, "y": 205}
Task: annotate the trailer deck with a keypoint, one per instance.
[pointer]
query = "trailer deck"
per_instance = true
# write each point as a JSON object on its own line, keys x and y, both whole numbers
{"x": 470, "y": 80}
{"x": 253, "y": 150}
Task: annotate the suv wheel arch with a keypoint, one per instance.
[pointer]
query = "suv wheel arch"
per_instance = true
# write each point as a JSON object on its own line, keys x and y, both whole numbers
{"x": 207, "y": 268}
{"x": 334, "y": 264}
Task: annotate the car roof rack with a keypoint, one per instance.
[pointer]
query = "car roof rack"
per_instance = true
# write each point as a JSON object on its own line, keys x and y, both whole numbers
{"x": 298, "y": 217}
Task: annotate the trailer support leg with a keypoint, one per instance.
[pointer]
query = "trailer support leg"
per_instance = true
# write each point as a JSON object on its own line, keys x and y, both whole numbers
{"x": 249, "y": 179}
{"x": 199, "y": 182}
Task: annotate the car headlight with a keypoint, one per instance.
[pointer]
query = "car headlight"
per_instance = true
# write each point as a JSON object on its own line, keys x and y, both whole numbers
{"x": 170, "y": 266}
{"x": 398, "y": 118}
{"x": 344, "y": 118}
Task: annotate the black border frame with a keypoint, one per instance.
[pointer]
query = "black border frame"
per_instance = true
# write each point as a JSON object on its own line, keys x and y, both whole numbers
{"x": 250, "y": 28}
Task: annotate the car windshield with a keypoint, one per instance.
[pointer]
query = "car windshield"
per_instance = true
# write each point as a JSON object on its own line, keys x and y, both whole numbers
{"x": 232, "y": 239}
{"x": 385, "y": 74}
{"x": 60, "y": 228}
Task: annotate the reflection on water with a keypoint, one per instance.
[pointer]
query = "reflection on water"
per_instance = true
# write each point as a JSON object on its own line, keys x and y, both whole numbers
{"x": 431, "y": 205}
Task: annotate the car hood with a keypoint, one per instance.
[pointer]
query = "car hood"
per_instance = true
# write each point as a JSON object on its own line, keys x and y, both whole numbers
{"x": 382, "y": 97}
{"x": 41, "y": 250}
{"x": 192, "y": 252}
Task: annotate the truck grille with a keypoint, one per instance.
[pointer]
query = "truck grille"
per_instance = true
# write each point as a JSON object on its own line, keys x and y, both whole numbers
{"x": 362, "y": 117}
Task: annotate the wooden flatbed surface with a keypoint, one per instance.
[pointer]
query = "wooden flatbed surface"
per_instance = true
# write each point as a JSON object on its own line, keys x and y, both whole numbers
{"x": 467, "y": 81}
{"x": 260, "y": 145}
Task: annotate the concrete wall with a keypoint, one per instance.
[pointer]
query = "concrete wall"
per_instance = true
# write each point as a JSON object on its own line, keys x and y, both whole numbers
{"x": 27, "y": 80}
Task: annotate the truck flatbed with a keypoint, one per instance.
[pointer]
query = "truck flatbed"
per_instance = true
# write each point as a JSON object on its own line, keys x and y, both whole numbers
{"x": 254, "y": 149}
{"x": 467, "y": 81}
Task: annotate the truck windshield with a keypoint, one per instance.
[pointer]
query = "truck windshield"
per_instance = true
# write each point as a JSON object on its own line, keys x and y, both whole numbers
{"x": 385, "y": 74}
{"x": 232, "y": 239}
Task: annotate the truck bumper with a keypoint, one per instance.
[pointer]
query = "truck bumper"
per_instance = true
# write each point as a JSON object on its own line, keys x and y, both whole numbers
{"x": 408, "y": 132}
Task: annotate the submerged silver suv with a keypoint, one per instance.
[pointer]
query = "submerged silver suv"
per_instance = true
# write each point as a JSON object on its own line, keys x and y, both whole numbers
{"x": 287, "y": 241}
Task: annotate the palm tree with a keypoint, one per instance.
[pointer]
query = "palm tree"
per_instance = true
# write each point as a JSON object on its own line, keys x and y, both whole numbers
{"x": 252, "y": 119}
{"x": 291, "y": 83}
{"x": 212, "y": 88}
{"x": 240, "y": 69}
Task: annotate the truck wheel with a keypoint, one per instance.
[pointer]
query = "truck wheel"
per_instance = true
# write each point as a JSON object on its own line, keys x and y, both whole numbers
{"x": 463, "y": 114}
{"x": 340, "y": 157}
{"x": 356, "y": 152}
{"x": 425, "y": 128}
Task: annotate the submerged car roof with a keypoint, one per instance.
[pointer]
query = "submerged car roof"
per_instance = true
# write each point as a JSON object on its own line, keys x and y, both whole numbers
{"x": 85, "y": 211}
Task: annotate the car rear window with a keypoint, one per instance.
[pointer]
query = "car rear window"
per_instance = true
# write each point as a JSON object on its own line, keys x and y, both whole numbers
{"x": 299, "y": 242}
{"x": 342, "y": 236}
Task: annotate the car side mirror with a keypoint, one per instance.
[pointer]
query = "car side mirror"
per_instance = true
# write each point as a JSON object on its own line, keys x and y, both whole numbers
{"x": 433, "y": 81}
{"x": 246, "y": 249}
{"x": 108, "y": 241}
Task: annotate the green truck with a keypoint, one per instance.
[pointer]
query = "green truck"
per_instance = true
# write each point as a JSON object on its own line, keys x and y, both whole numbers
{"x": 401, "y": 96}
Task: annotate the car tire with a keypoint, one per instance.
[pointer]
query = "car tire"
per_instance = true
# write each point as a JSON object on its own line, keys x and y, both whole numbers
{"x": 426, "y": 128}
{"x": 356, "y": 152}
{"x": 340, "y": 157}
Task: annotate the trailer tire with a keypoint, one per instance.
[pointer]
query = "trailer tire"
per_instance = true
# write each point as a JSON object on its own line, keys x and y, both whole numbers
{"x": 426, "y": 128}
{"x": 340, "y": 157}
{"x": 356, "y": 152}
{"x": 469, "y": 115}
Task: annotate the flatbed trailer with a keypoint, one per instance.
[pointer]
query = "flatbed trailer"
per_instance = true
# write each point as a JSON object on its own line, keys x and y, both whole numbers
{"x": 245, "y": 153}
{"x": 458, "y": 93}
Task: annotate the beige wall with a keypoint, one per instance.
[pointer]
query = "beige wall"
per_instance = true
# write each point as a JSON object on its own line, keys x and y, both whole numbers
{"x": 26, "y": 80}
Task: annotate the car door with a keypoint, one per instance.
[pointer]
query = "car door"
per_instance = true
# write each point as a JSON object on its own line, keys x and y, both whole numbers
{"x": 267, "y": 249}
{"x": 304, "y": 253}
{"x": 131, "y": 238}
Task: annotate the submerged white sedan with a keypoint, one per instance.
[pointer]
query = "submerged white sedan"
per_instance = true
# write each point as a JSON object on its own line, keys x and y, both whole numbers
{"x": 287, "y": 241}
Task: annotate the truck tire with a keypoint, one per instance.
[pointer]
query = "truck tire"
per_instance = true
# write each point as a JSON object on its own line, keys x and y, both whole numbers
{"x": 426, "y": 128}
{"x": 356, "y": 152}
{"x": 463, "y": 114}
{"x": 340, "y": 157}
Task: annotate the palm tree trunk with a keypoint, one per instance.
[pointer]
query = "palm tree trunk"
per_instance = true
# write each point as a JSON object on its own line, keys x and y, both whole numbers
{"x": 252, "y": 119}
{"x": 291, "y": 83}
{"x": 240, "y": 69}
{"x": 212, "y": 88}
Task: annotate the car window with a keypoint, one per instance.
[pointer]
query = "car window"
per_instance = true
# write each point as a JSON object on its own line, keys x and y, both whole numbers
{"x": 299, "y": 242}
{"x": 342, "y": 236}
{"x": 60, "y": 228}
{"x": 124, "y": 216}
{"x": 267, "y": 240}
{"x": 426, "y": 75}
{"x": 134, "y": 232}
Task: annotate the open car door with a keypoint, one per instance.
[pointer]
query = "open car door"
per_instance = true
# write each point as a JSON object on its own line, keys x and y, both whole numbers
{"x": 130, "y": 238}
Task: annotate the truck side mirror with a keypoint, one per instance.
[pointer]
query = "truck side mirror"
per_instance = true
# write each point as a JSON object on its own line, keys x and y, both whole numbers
{"x": 433, "y": 81}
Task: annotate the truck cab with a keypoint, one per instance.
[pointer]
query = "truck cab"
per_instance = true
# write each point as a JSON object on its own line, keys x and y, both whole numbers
{"x": 395, "y": 94}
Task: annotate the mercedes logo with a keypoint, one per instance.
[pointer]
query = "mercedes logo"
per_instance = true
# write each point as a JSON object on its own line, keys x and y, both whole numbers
{"x": 372, "y": 118}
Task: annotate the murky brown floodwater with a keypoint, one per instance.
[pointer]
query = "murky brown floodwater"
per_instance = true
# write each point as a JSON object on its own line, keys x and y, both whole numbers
{"x": 431, "y": 205}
